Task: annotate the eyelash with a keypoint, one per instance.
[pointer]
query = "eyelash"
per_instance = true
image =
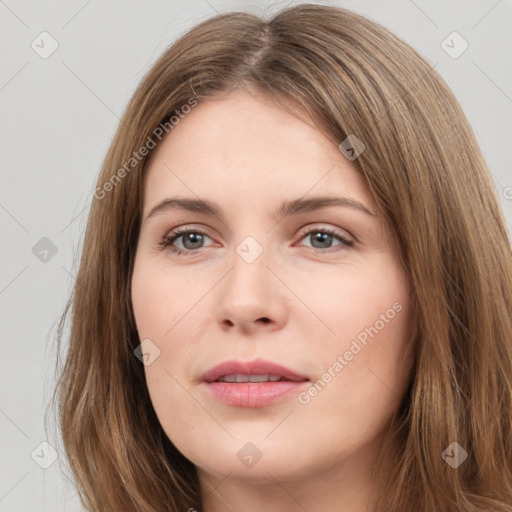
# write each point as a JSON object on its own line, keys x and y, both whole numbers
{"x": 168, "y": 240}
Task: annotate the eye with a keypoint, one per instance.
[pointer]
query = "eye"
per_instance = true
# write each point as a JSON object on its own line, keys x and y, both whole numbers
{"x": 324, "y": 237}
{"x": 193, "y": 238}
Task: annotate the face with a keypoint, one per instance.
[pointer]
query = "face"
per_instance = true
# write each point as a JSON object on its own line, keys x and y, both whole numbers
{"x": 312, "y": 295}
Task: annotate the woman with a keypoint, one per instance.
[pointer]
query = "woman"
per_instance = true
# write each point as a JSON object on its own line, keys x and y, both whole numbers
{"x": 340, "y": 336}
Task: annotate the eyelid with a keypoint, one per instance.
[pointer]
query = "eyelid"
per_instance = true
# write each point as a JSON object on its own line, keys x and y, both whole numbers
{"x": 334, "y": 230}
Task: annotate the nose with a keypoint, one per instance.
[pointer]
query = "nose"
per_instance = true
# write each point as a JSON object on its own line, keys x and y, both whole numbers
{"x": 251, "y": 297}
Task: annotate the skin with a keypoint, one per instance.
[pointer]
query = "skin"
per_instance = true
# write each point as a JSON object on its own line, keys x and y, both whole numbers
{"x": 248, "y": 154}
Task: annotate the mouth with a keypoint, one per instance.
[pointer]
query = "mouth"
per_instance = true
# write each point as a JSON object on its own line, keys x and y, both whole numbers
{"x": 257, "y": 370}
{"x": 255, "y": 383}
{"x": 240, "y": 377}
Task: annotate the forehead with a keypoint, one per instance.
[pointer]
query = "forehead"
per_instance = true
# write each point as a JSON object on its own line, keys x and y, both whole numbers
{"x": 245, "y": 149}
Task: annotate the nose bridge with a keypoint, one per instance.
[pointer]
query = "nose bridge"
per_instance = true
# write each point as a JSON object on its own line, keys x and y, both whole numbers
{"x": 249, "y": 264}
{"x": 249, "y": 290}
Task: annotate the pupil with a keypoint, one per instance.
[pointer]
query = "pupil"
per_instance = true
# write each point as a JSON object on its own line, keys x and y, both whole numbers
{"x": 326, "y": 236}
{"x": 190, "y": 237}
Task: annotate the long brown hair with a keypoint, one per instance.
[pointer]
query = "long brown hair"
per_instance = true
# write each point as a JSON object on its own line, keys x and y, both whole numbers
{"x": 425, "y": 170}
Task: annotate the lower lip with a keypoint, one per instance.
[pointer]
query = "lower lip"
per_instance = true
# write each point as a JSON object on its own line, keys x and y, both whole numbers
{"x": 253, "y": 394}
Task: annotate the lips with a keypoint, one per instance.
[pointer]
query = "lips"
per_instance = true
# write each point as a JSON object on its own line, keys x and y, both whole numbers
{"x": 258, "y": 367}
{"x": 255, "y": 383}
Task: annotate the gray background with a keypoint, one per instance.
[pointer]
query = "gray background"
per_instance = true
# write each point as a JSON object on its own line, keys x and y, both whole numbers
{"x": 58, "y": 116}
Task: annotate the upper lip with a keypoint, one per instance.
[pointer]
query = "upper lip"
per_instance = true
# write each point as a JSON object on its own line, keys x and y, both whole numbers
{"x": 255, "y": 367}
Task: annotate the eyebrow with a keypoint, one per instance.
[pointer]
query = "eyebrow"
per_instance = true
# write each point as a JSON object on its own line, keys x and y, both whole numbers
{"x": 292, "y": 207}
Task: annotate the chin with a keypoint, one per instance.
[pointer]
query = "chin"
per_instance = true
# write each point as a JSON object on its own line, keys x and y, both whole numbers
{"x": 261, "y": 460}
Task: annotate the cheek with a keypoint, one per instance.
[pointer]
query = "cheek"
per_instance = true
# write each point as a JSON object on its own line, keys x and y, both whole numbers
{"x": 371, "y": 366}
{"x": 368, "y": 358}
{"x": 362, "y": 302}
{"x": 162, "y": 309}
{"x": 156, "y": 299}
